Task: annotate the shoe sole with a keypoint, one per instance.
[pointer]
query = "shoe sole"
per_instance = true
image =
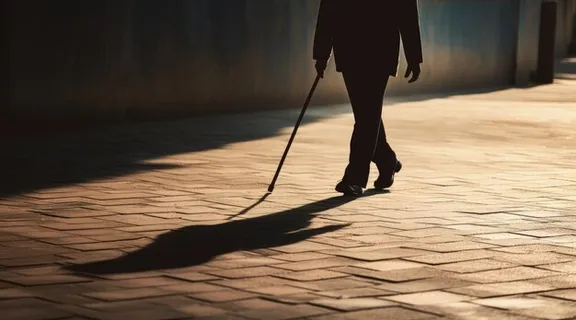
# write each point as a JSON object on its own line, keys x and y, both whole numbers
{"x": 347, "y": 192}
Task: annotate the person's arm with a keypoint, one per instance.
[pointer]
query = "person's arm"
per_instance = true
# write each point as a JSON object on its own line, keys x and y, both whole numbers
{"x": 410, "y": 32}
{"x": 323, "y": 37}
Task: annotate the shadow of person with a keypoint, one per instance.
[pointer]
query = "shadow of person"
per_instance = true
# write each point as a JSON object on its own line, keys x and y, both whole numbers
{"x": 195, "y": 245}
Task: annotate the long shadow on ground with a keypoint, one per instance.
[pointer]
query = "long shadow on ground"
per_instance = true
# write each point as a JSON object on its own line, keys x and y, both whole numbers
{"x": 38, "y": 162}
{"x": 34, "y": 163}
{"x": 195, "y": 245}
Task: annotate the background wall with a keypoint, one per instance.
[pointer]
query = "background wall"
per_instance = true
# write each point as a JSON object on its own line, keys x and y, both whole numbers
{"x": 120, "y": 58}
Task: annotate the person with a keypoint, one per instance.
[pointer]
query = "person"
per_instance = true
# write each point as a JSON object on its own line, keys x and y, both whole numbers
{"x": 364, "y": 37}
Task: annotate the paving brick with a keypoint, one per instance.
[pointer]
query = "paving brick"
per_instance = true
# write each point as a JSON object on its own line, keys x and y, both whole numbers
{"x": 92, "y": 255}
{"x": 245, "y": 272}
{"x": 341, "y": 243}
{"x": 43, "y": 280}
{"x": 135, "y": 219}
{"x": 368, "y": 230}
{"x": 502, "y": 236}
{"x": 531, "y": 248}
{"x": 84, "y": 226}
{"x": 352, "y": 304}
{"x": 378, "y": 239}
{"x": 429, "y": 298}
{"x": 148, "y": 282}
{"x": 471, "y": 229}
{"x": 398, "y": 313}
{"x": 471, "y": 311}
{"x": 14, "y": 293}
{"x": 304, "y": 247}
{"x": 284, "y": 313}
{"x": 253, "y": 282}
{"x": 145, "y": 314}
{"x": 389, "y": 265}
{"x": 116, "y": 237}
{"x": 333, "y": 284}
{"x": 278, "y": 290}
{"x": 30, "y": 308}
{"x": 442, "y": 258}
{"x": 506, "y": 275}
{"x": 295, "y": 299}
{"x": 251, "y": 304}
{"x": 30, "y": 261}
{"x": 426, "y": 232}
{"x": 35, "y": 314}
{"x": 112, "y": 245}
{"x": 533, "y": 260}
{"x": 543, "y": 308}
{"x": 566, "y": 267}
{"x": 562, "y": 294}
{"x": 129, "y": 294}
{"x": 120, "y": 306}
{"x": 192, "y": 276}
{"x": 355, "y": 293}
{"x": 547, "y": 232}
{"x": 500, "y": 289}
{"x": 429, "y": 284}
{"x": 91, "y": 232}
{"x": 190, "y": 307}
{"x": 192, "y": 287}
{"x": 453, "y": 246}
{"x": 154, "y": 227}
{"x": 243, "y": 263}
{"x": 378, "y": 255}
{"x": 475, "y": 266}
{"x": 304, "y": 256}
{"x": 316, "y": 264}
{"x": 564, "y": 281}
{"x": 68, "y": 240}
{"x": 223, "y": 295}
{"x": 311, "y": 275}
{"x": 392, "y": 275}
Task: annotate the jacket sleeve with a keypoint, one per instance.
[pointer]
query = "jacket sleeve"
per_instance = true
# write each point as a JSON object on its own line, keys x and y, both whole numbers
{"x": 324, "y": 26}
{"x": 410, "y": 31}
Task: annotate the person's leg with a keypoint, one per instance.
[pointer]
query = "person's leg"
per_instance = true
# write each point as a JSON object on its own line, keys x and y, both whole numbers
{"x": 384, "y": 156}
{"x": 366, "y": 94}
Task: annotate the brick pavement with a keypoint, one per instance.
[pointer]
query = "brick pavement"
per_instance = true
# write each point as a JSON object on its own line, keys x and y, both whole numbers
{"x": 171, "y": 221}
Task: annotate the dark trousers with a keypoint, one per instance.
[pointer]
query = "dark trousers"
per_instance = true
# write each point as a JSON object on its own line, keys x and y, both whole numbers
{"x": 368, "y": 143}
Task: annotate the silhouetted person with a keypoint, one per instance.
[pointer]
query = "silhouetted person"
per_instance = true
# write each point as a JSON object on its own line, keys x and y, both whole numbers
{"x": 365, "y": 37}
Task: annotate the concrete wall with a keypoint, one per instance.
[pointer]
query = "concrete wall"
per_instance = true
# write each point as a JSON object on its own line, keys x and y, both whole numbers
{"x": 529, "y": 31}
{"x": 566, "y": 16}
{"x": 119, "y": 58}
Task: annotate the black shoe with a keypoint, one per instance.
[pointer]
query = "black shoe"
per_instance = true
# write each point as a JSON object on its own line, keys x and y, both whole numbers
{"x": 386, "y": 181}
{"x": 349, "y": 189}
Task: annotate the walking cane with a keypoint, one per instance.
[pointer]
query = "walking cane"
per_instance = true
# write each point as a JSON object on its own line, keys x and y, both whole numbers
{"x": 271, "y": 187}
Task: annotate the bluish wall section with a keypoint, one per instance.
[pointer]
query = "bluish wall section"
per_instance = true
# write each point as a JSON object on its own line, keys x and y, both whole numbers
{"x": 467, "y": 43}
{"x": 127, "y": 57}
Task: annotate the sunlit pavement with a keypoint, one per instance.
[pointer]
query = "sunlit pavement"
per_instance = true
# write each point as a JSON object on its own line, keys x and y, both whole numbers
{"x": 172, "y": 221}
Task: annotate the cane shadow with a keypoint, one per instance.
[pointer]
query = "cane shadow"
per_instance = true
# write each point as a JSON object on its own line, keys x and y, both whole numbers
{"x": 196, "y": 245}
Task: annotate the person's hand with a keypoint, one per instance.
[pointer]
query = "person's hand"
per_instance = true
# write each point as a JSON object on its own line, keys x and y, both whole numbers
{"x": 413, "y": 69}
{"x": 321, "y": 67}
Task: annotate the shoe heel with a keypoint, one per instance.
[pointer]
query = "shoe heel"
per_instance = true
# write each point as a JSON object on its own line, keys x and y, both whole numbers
{"x": 398, "y": 166}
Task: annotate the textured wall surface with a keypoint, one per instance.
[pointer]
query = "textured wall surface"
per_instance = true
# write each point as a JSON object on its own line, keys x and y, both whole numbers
{"x": 529, "y": 31}
{"x": 467, "y": 43}
{"x": 121, "y": 57}
{"x": 528, "y": 35}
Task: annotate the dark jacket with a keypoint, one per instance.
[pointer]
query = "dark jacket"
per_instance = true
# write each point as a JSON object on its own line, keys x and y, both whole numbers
{"x": 366, "y": 34}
